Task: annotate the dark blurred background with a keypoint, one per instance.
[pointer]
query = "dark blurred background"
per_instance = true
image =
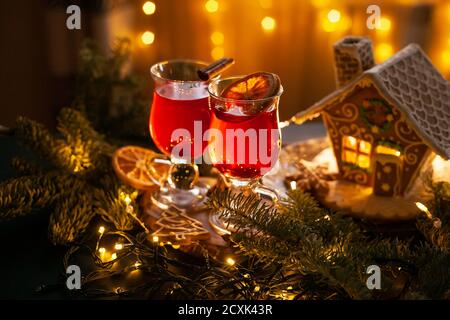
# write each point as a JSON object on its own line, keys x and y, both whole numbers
{"x": 293, "y": 38}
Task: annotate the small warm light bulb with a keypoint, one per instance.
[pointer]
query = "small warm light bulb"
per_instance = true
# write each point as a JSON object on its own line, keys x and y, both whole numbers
{"x": 102, "y": 250}
{"x": 137, "y": 264}
{"x": 334, "y": 16}
{"x": 217, "y": 53}
{"x": 155, "y": 239}
{"x": 101, "y": 230}
{"x": 114, "y": 256}
{"x": 217, "y": 38}
{"x": 293, "y": 184}
{"x": 148, "y": 38}
{"x": 423, "y": 208}
{"x": 283, "y": 124}
{"x": 230, "y": 261}
{"x": 257, "y": 288}
{"x": 149, "y": 8}
{"x": 118, "y": 246}
{"x": 268, "y": 23}
{"x": 212, "y": 6}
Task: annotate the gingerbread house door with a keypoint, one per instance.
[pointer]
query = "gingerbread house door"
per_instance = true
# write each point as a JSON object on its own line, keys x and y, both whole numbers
{"x": 387, "y": 174}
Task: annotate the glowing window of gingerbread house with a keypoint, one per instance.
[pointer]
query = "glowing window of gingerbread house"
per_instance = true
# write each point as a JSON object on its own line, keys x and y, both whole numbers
{"x": 356, "y": 151}
{"x": 387, "y": 150}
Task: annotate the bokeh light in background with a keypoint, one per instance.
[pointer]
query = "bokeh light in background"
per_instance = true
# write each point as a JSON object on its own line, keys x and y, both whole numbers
{"x": 383, "y": 51}
{"x": 217, "y": 38}
{"x": 148, "y": 37}
{"x": 334, "y": 20}
{"x": 217, "y": 53}
{"x": 268, "y": 23}
{"x": 212, "y": 6}
{"x": 446, "y": 58}
{"x": 291, "y": 38}
{"x": 385, "y": 24}
{"x": 334, "y": 16}
{"x": 149, "y": 8}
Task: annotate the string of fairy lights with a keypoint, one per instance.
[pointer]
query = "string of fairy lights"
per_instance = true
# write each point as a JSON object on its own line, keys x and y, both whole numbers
{"x": 125, "y": 245}
{"x": 109, "y": 258}
{"x": 111, "y": 264}
{"x": 331, "y": 19}
{"x": 126, "y": 255}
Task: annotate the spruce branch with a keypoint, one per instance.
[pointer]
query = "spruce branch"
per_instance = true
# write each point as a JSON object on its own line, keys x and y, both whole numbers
{"x": 25, "y": 167}
{"x": 71, "y": 123}
{"x": 433, "y": 278}
{"x": 84, "y": 148}
{"x": 437, "y": 230}
{"x": 39, "y": 139}
{"x": 71, "y": 217}
{"x": 109, "y": 205}
{"x": 109, "y": 97}
{"x": 20, "y": 196}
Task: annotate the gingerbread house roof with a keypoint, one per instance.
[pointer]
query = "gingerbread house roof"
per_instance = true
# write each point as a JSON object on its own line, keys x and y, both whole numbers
{"x": 409, "y": 81}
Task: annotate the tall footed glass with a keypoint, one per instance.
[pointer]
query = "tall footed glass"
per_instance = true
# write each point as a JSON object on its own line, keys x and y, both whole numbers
{"x": 244, "y": 141}
{"x": 179, "y": 115}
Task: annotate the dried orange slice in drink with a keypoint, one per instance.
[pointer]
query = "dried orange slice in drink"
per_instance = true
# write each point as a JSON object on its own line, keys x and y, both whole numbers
{"x": 135, "y": 166}
{"x": 259, "y": 85}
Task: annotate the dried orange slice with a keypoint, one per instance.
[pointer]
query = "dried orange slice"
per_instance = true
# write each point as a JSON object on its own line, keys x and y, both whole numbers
{"x": 256, "y": 86}
{"x": 134, "y": 166}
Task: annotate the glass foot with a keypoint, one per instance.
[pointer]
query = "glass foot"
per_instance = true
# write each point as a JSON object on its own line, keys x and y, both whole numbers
{"x": 221, "y": 227}
{"x": 182, "y": 199}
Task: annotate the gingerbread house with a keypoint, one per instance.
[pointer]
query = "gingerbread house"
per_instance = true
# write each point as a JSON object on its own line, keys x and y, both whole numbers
{"x": 384, "y": 121}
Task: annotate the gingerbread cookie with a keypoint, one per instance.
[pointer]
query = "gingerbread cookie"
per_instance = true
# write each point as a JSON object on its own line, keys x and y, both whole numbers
{"x": 178, "y": 228}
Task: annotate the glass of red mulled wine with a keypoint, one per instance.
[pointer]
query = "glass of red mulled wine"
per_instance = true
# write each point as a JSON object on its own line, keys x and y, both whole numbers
{"x": 244, "y": 140}
{"x": 179, "y": 115}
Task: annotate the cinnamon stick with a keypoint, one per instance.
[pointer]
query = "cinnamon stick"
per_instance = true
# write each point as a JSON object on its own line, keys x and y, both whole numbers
{"x": 215, "y": 68}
